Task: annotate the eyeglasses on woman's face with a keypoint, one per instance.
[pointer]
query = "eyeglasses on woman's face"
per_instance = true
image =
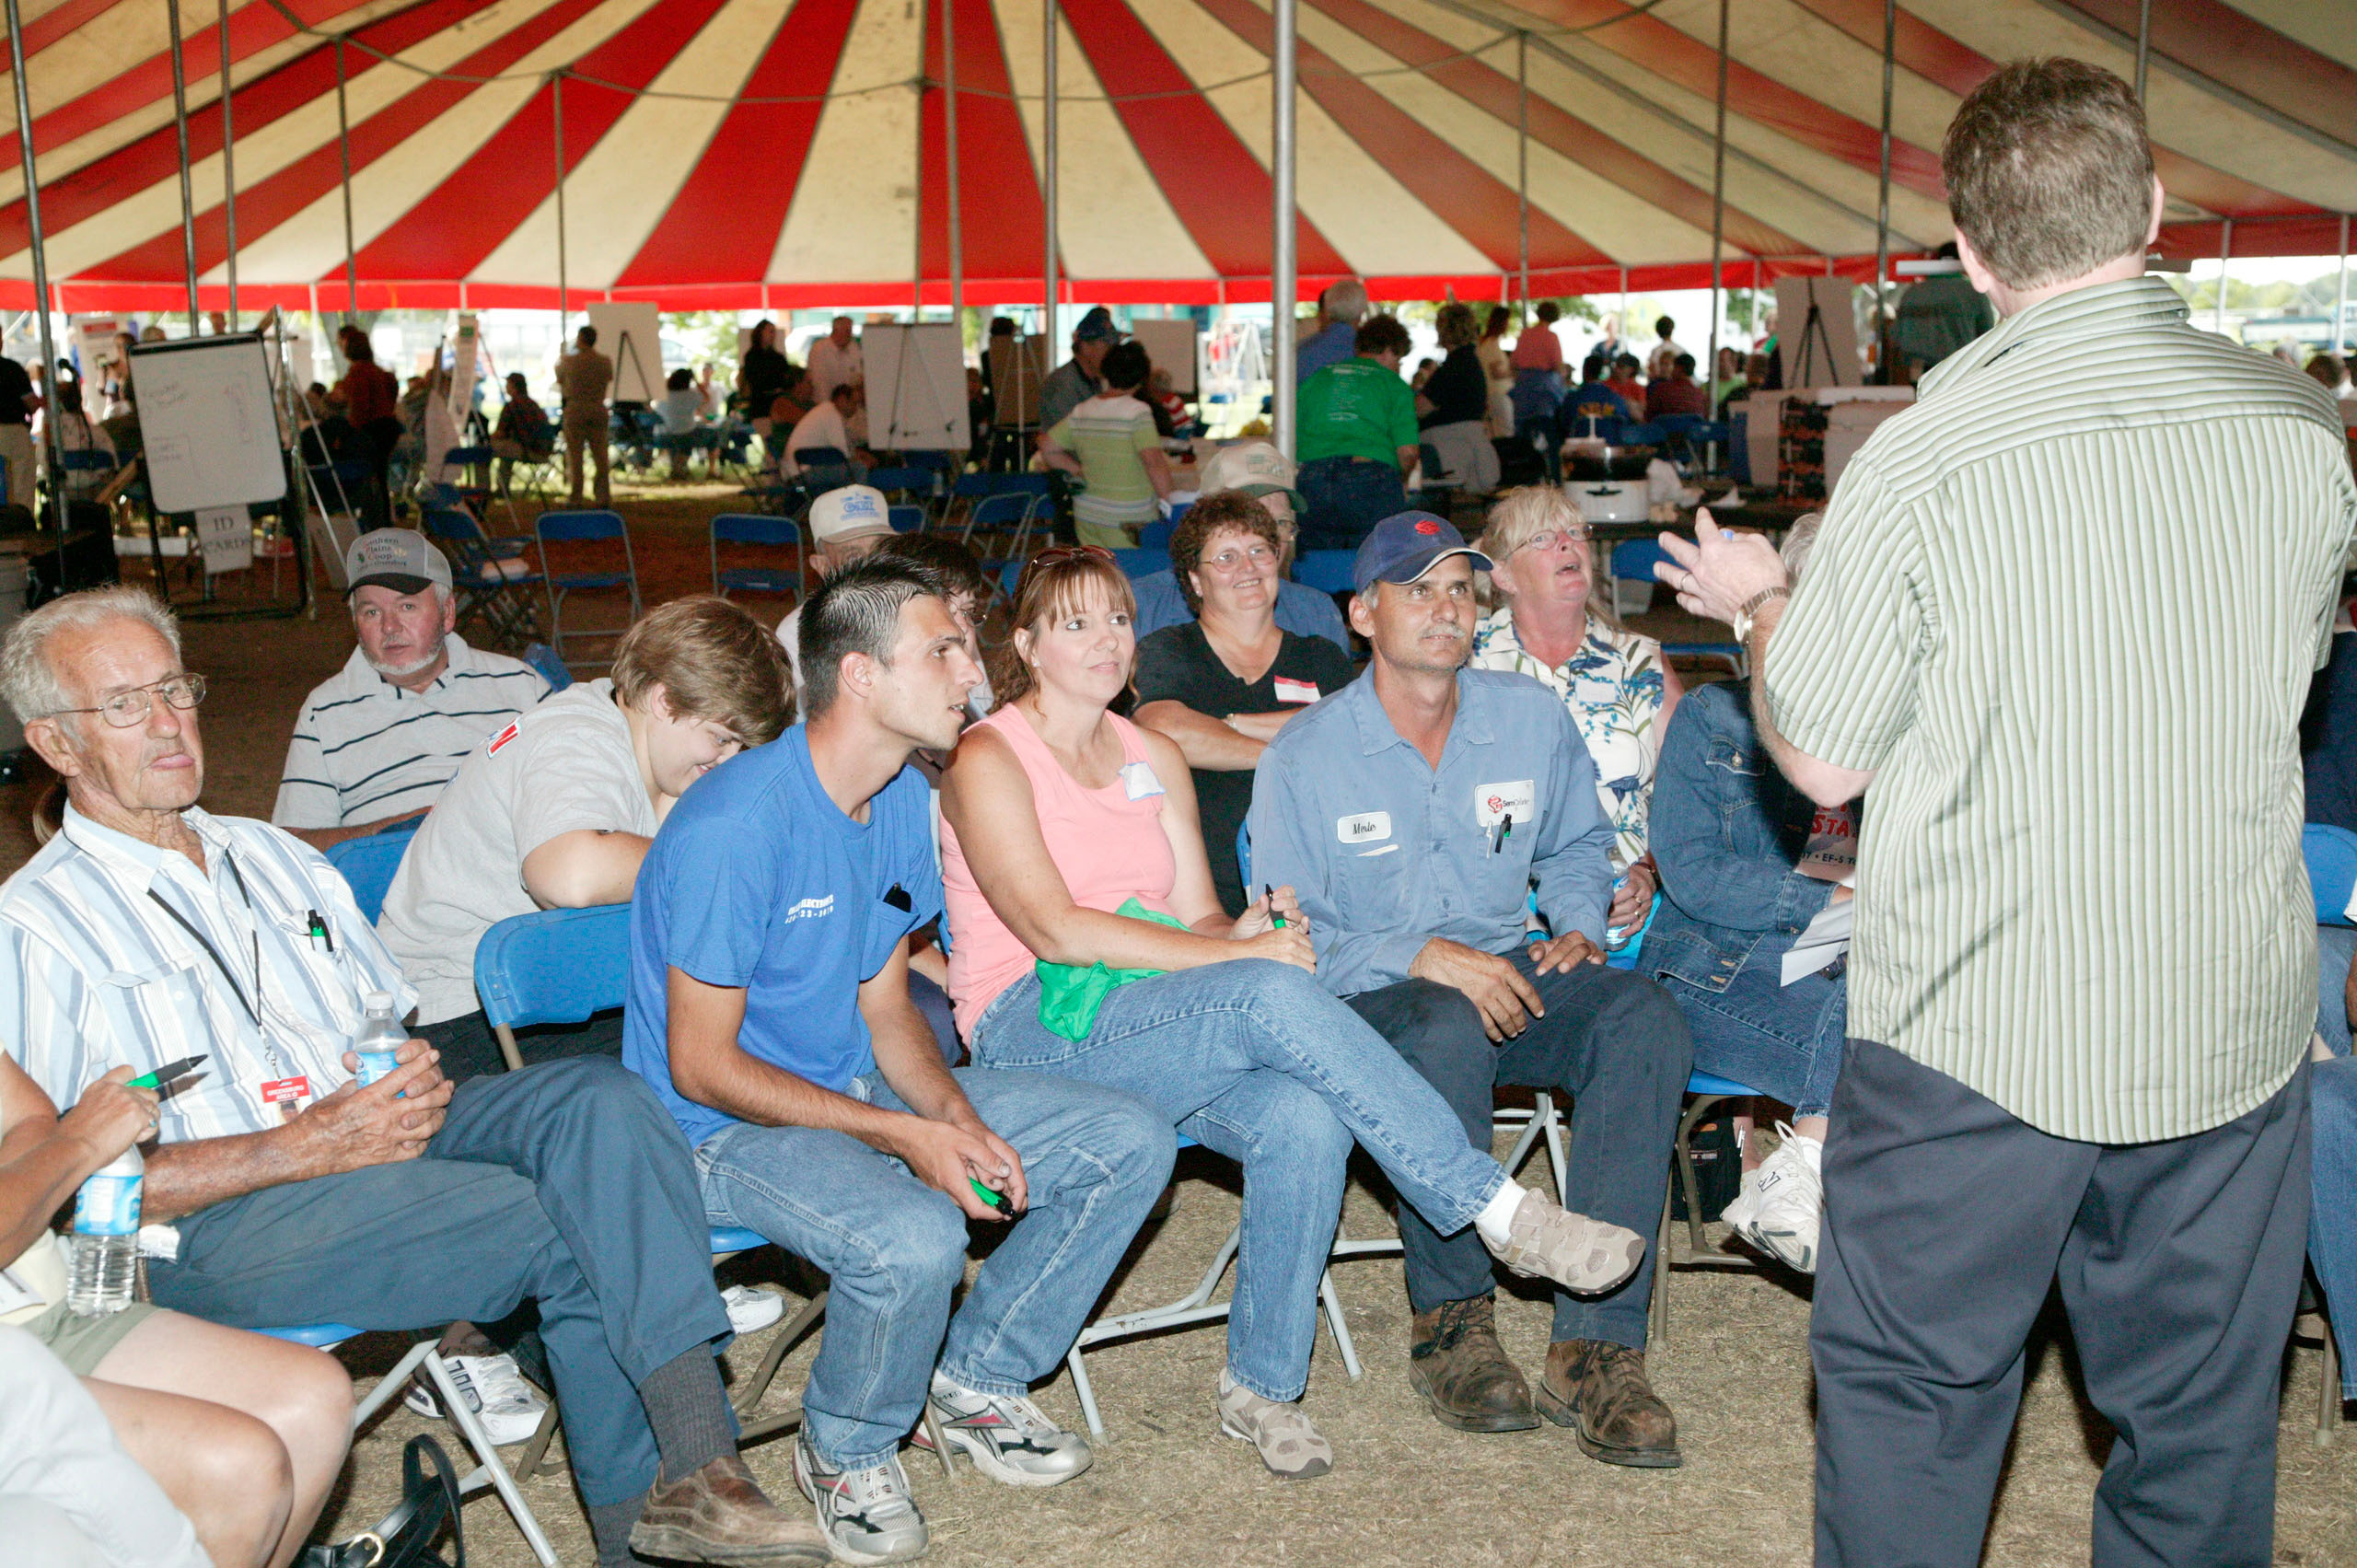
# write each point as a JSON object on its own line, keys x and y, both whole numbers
{"x": 1552, "y": 541}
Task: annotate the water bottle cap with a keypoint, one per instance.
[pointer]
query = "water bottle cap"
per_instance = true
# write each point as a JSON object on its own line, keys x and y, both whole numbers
{"x": 378, "y": 1000}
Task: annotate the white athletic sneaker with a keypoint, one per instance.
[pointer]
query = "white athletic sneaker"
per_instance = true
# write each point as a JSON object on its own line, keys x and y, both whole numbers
{"x": 494, "y": 1389}
{"x": 868, "y": 1516}
{"x": 750, "y": 1310}
{"x": 1008, "y": 1438}
{"x": 1783, "y": 1203}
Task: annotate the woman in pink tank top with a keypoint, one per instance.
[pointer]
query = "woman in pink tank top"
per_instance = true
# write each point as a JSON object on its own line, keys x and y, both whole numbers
{"x": 1054, "y": 814}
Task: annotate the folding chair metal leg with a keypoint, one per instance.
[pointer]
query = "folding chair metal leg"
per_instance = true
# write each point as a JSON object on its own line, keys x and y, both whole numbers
{"x": 1660, "y": 1335}
{"x": 2328, "y": 1389}
{"x": 1335, "y": 1326}
{"x": 489, "y": 1471}
{"x": 1702, "y": 1106}
{"x": 507, "y": 1048}
{"x": 388, "y": 1387}
{"x": 758, "y": 1388}
{"x": 1080, "y": 1386}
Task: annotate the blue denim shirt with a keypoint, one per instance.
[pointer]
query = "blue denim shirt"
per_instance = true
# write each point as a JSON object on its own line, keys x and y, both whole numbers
{"x": 1301, "y": 610}
{"x": 1727, "y": 830}
{"x": 1385, "y": 851}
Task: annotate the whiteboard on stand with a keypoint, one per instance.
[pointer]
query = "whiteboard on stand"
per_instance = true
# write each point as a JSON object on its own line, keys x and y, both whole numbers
{"x": 208, "y": 427}
{"x": 630, "y": 334}
{"x": 916, "y": 387}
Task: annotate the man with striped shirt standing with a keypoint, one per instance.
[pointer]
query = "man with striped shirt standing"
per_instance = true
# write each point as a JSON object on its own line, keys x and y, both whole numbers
{"x": 375, "y": 744}
{"x": 2084, "y": 978}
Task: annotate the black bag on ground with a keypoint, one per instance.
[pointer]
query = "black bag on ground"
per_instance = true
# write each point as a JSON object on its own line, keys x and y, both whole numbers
{"x": 1718, "y": 1165}
{"x": 405, "y": 1537}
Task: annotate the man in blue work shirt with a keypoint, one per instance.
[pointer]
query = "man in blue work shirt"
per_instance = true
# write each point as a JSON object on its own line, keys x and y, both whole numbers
{"x": 1414, "y": 812}
{"x": 770, "y": 1011}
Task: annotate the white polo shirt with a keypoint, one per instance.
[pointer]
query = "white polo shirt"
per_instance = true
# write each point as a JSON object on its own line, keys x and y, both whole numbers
{"x": 365, "y": 749}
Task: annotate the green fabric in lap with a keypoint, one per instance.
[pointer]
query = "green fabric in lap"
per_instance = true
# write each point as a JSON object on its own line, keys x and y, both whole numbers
{"x": 1070, "y": 995}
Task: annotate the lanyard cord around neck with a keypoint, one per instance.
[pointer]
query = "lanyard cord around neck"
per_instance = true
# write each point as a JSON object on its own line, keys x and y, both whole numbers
{"x": 252, "y": 1005}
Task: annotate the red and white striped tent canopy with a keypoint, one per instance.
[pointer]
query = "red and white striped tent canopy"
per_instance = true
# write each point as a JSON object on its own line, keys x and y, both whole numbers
{"x": 741, "y": 153}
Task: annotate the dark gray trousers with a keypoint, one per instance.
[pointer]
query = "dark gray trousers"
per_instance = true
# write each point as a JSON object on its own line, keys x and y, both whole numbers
{"x": 1618, "y": 1046}
{"x": 1946, "y": 1220}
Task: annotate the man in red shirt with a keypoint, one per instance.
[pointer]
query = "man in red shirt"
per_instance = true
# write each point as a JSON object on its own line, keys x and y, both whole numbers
{"x": 371, "y": 398}
{"x": 1676, "y": 392}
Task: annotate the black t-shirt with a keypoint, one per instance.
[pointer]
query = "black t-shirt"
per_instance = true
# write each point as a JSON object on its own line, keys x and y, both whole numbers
{"x": 1458, "y": 391}
{"x": 15, "y": 387}
{"x": 1177, "y": 665}
{"x": 767, "y": 374}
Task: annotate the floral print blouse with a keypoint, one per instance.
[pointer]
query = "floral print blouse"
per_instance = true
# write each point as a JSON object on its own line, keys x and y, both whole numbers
{"x": 1614, "y": 689}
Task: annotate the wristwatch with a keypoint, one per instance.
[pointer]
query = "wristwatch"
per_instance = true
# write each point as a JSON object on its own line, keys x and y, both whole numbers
{"x": 1742, "y": 621}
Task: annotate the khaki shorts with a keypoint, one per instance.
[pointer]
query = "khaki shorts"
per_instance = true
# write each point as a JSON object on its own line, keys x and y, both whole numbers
{"x": 83, "y": 1343}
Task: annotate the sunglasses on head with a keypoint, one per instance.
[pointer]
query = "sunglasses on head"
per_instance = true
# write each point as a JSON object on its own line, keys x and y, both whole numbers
{"x": 1058, "y": 555}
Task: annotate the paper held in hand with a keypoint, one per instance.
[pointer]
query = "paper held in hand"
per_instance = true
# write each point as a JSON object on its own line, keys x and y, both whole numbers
{"x": 1827, "y": 938}
{"x": 1832, "y": 855}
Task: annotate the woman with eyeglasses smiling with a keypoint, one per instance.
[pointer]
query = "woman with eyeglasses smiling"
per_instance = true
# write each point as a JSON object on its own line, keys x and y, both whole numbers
{"x": 1556, "y": 627}
{"x": 1058, "y": 816}
{"x": 1222, "y": 685}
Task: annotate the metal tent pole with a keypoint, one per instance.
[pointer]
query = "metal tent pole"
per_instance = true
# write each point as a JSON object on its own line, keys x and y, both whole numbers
{"x": 228, "y": 169}
{"x": 949, "y": 123}
{"x": 916, "y": 182}
{"x": 41, "y": 299}
{"x": 2143, "y": 44}
{"x": 2340, "y": 290}
{"x": 1881, "y": 201}
{"x": 2226, "y": 254}
{"x": 188, "y": 197}
{"x": 1718, "y": 213}
{"x": 564, "y": 295}
{"x": 1522, "y": 159}
{"x": 1048, "y": 178}
{"x": 1282, "y": 279}
{"x": 344, "y": 147}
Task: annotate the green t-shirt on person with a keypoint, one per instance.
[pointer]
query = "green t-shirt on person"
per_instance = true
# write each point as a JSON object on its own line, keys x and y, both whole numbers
{"x": 1357, "y": 408}
{"x": 1106, "y": 433}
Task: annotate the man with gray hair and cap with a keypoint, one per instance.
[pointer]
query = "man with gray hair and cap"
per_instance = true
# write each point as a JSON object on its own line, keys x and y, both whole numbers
{"x": 1077, "y": 380}
{"x": 1261, "y": 471}
{"x": 375, "y": 743}
{"x": 1340, "y": 310}
{"x": 1413, "y": 813}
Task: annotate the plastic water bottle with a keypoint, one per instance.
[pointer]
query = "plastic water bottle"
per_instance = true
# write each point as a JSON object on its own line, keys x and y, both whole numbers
{"x": 1616, "y": 937}
{"x": 380, "y": 1037}
{"x": 103, "y": 1251}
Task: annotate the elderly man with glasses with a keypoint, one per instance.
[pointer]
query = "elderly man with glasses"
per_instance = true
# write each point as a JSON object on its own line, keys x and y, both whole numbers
{"x": 149, "y": 930}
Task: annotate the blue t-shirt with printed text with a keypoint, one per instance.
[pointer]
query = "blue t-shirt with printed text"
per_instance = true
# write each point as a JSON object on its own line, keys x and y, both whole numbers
{"x": 758, "y": 880}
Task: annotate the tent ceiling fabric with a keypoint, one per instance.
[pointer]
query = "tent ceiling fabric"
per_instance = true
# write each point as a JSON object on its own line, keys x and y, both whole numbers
{"x": 738, "y": 153}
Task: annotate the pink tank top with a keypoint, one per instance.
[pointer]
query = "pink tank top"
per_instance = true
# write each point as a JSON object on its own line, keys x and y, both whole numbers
{"x": 1108, "y": 846}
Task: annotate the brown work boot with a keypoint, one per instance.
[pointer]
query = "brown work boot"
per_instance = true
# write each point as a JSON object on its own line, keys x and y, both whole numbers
{"x": 1599, "y": 1390}
{"x": 720, "y": 1514}
{"x": 1456, "y": 1364}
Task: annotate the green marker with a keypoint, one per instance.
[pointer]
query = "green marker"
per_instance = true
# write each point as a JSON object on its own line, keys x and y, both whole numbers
{"x": 996, "y": 1199}
{"x": 1274, "y": 918}
{"x": 166, "y": 1073}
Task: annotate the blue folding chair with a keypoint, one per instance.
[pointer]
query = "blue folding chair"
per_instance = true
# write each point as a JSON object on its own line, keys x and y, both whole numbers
{"x": 901, "y": 478}
{"x": 905, "y": 518}
{"x": 1327, "y": 571}
{"x": 367, "y": 865}
{"x": 1156, "y": 536}
{"x": 498, "y": 591}
{"x": 2331, "y": 855}
{"x": 584, "y": 529}
{"x": 1009, "y": 576}
{"x": 563, "y": 966}
{"x": 1010, "y": 515}
{"x": 1136, "y": 563}
{"x": 750, "y": 530}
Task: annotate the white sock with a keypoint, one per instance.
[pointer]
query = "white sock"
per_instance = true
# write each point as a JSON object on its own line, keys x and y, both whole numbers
{"x": 1495, "y": 1222}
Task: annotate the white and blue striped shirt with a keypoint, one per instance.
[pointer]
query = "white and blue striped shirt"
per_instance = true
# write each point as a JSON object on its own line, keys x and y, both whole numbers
{"x": 113, "y": 951}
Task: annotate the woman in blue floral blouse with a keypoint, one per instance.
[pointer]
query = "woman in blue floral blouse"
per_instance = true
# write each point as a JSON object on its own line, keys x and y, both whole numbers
{"x": 1552, "y": 624}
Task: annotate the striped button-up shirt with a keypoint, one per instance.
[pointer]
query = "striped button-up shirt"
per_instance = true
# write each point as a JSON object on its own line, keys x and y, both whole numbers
{"x": 2066, "y": 609}
{"x": 365, "y": 749}
{"x": 113, "y": 951}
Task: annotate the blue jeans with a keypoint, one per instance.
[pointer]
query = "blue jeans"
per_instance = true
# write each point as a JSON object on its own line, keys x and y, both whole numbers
{"x": 2332, "y": 1109}
{"x": 1344, "y": 498}
{"x": 1784, "y": 1040}
{"x": 567, "y": 1183}
{"x": 1234, "y": 1054}
{"x": 894, "y": 1249}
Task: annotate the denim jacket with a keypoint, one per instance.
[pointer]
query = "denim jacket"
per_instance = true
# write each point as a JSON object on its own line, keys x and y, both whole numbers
{"x": 1727, "y": 830}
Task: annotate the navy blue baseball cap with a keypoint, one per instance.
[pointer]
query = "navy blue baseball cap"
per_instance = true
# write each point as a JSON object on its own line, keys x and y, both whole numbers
{"x": 1406, "y": 545}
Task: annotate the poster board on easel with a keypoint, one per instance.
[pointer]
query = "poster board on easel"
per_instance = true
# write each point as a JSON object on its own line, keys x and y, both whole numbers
{"x": 1170, "y": 345}
{"x": 208, "y": 425}
{"x": 630, "y": 334}
{"x": 1017, "y": 368}
{"x": 916, "y": 387}
{"x": 1817, "y": 332}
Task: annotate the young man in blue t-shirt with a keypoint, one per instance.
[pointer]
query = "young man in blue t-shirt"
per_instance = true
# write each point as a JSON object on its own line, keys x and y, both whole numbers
{"x": 770, "y": 1011}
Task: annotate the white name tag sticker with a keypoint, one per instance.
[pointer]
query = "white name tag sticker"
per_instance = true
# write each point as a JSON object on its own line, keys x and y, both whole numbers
{"x": 1493, "y": 803}
{"x": 1363, "y": 827}
{"x": 1296, "y": 691}
{"x": 1138, "y": 779}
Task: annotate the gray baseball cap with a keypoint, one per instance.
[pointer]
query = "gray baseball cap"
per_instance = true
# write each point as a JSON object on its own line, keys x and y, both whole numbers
{"x": 400, "y": 559}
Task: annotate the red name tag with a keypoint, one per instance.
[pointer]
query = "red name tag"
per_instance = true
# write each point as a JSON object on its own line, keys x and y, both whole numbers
{"x": 288, "y": 1094}
{"x": 1296, "y": 691}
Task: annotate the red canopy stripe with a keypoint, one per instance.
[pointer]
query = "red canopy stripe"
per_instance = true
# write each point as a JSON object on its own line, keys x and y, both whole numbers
{"x": 2242, "y": 53}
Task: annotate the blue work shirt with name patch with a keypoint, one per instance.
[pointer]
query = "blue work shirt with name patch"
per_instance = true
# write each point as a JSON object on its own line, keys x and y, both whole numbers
{"x": 1386, "y": 851}
{"x": 758, "y": 880}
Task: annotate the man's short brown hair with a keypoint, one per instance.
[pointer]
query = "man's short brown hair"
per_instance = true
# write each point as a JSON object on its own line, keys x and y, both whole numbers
{"x": 2049, "y": 172}
{"x": 715, "y": 661}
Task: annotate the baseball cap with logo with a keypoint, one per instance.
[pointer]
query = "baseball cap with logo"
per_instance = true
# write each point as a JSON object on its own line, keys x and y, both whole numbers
{"x": 852, "y": 511}
{"x": 400, "y": 559}
{"x": 1096, "y": 327}
{"x": 1253, "y": 467}
{"x": 1405, "y": 546}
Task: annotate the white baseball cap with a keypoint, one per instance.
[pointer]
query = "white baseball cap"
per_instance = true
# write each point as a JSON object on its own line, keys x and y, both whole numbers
{"x": 851, "y": 511}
